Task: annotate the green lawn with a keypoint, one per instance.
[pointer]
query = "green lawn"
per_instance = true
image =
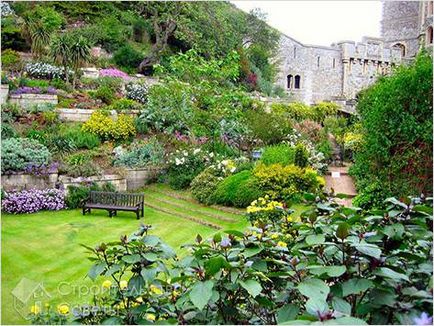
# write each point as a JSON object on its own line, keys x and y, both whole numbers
{"x": 44, "y": 247}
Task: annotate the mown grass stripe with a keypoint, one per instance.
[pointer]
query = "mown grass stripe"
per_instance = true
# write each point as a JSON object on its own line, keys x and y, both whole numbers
{"x": 198, "y": 211}
{"x": 175, "y": 195}
{"x": 180, "y": 215}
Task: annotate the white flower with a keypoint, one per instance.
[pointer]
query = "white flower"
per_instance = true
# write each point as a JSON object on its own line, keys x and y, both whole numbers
{"x": 211, "y": 154}
{"x": 197, "y": 150}
{"x": 185, "y": 153}
{"x": 178, "y": 161}
{"x": 233, "y": 169}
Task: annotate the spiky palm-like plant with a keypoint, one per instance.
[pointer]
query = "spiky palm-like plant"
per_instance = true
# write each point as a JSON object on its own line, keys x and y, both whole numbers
{"x": 61, "y": 52}
{"x": 79, "y": 54}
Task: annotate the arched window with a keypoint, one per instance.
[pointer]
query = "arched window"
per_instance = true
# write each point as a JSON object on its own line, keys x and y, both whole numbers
{"x": 334, "y": 63}
{"x": 289, "y": 81}
{"x": 429, "y": 35}
{"x": 401, "y": 47}
{"x": 297, "y": 80}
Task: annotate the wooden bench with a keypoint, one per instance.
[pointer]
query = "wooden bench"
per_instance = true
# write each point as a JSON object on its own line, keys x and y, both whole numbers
{"x": 115, "y": 201}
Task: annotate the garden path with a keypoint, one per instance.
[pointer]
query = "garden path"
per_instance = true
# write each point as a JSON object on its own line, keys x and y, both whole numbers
{"x": 338, "y": 179}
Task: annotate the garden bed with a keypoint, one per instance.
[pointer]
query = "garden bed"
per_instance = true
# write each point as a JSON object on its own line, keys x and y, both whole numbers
{"x": 21, "y": 181}
{"x": 119, "y": 182}
{"x": 82, "y": 115}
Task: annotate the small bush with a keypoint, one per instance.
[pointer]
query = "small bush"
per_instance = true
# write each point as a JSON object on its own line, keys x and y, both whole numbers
{"x": 268, "y": 127}
{"x": 128, "y": 57}
{"x": 18, "y": 153}
{"x": 81, "y": 138}
{"x": 80, "y": 165}
{"x": 204, "y": 185}
{"x": 105, "y": 94}
{"x": 237, "y": 190}
{"x": 137, "y": 92}
{"x": 141, "y": 155}
{"x": 34, "y": 200}
{"x": 301, "y": 156}
{"x": 10, "y": 60}
{"x": 282, "y": 153}
{"x": 125, "y": 104}
{"x": 101, "y": 124}
{"x": 77, "y": 195}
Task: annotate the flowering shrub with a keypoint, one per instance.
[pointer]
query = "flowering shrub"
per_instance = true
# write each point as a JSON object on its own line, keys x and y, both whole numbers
{"x": 34, "y": 90}
{"x": 137, "y": 92}
{"x": 353, "y": 141}
{"x": 334, "y": 265}
{"x": 101, "y": 124}
{"x": 45, "y": 71}
{"x": 115, "y": 73}
{"x": 184, "y": 166}
{"x": 19, "y": 153}
{"x": 264, "y": 211}
{"x": 31, "y": 201}
{"x": 141, "y": 155}
{"x": 125, "y": 104}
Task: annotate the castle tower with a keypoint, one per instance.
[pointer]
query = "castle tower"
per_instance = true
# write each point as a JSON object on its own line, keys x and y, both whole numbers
{"x": 406, "y": 25}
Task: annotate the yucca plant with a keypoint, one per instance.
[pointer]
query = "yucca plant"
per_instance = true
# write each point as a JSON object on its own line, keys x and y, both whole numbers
{"x": 79, "y": 54}
{"x": 61, "y": 52}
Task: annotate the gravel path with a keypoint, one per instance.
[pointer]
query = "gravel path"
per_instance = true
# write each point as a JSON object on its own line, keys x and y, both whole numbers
{"x": 338, "y": 179}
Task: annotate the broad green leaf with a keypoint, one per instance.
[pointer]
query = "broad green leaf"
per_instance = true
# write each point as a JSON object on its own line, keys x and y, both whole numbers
{"x": 394, "y": 231}
{"x": 136, "y": 285}
{"x": 112, "y": 321}
{"x": 131, "y": 259}
{"x": 298, "y": 322}
{"x": 343, "y": 230}
{"x": 151, "y": 240}
{"x": 332, "y": 271}
{"x": 249, "y": 252}
{"x": 423, "y": 209}
{"x": 315, "y": 239}
{"x": 149, "y": 274}
{"x": 314, "y": 288}
{"x": 252, "y": 286}
{"x": 235, "y": 233}
{"x": 387, "y": 272}
{"x": 200, "y": 293}
{"x": 341, "y": 305}
{"x": 96, "y": 270}
{"x": 113, "y": 269}
{"x": 369, "y": 250}
{"x": 316, "y": 306}
{"x": 260, "y": 265}
{"x": 346, "y": 321}
{"x": 287, "y": 313}
{"x": 356, "y": 286}
{"x": 151, "y": 256}
{"x": 213, "y": 265}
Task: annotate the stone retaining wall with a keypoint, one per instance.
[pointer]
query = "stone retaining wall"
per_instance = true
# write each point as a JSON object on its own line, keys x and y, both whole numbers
{"x": 119, "y": 182}
{"x": 30, "y": 100}
{"x": 22, "y": 181}
{"x": 4, "y": 92}
{"x": 137, "y": 178}
{"x": 82, "y": 115}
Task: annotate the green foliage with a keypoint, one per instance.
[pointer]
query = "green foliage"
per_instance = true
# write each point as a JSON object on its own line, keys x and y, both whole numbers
{"x": 128, "y": 57}
{"x": 237, "y": 190}
{"x": 282, "y": 154}
{"x": 105, "y": 94}
{"x": 80, "y": 165}
{"x": 301, "y": 156}
{"x": 396, "y": 117}
{"x": 81, "y": 139}
{"x": 204, "y": 185}
{"x": 299, "y": 111}
{"x": 10, "y": 60}
{"x": 371, "y": 196}
{"x": 18, "y": 153}
{"x": 77, "y": 195}
{"x": 287, "y": 183}
{"x": 125, "y": 104}
{"x": 334, "y": 265}
{"x": 269, "y": 128}
{"x": 140, "y": 155}
{"x": 337, "y": 126}
{"x": 102, "y": 125}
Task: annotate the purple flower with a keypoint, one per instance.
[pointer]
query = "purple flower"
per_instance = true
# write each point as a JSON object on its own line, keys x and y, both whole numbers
{"x": 111, "y": 72}
{"x": 225, "y": 243}
{"x": 33, "y": 200}
{"x": 424, "y": 319}
{"x": 51, "y": 90}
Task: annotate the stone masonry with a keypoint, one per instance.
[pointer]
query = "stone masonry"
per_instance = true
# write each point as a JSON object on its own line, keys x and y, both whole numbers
{"x": 312, "y": 73}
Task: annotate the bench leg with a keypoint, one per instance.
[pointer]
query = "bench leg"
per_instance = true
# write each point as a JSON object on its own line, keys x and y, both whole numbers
{"x": 84, "y": 211}
{"x": 143, "y": 211}
{"x": 138, "y": 214}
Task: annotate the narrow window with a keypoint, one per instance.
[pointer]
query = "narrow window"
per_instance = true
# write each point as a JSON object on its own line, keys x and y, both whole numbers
{"x": 317, "y": 62}
{"x": 430, "y": 8}
{"x": 289, "y": 81}
{"x": 297, "y": 82}
{"x": 334, "y": 63}
{"x": 429, "y": 36}
{"x": 400, "y": 47}
{"x": 295, "y": 52}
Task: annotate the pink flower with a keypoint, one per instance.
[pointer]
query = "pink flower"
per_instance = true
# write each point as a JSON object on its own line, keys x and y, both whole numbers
{"x": 112, "y": 72}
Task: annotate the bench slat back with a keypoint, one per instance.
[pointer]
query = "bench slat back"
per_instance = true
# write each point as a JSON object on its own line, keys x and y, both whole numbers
{"x": 116, "y": 198}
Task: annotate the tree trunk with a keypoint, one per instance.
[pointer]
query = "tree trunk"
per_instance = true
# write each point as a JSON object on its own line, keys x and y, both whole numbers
{"x": 65, "y": 69}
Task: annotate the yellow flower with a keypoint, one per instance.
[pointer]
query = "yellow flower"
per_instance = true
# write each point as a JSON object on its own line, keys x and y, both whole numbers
{"x": 139, "y": 299}
{"x": 155, "y": 289}
{"x": 150, "y": 317}
{"x": 175, "y": 293}
{"x": 289, "y": 218}
{"x": 123, "y": 284}
{"x": 47, "y": 305}
{"x": 282, "y": 244}
{"x": 35, "y": 309}
{"x": 274, "y": 236}
{"x": 63, "y": 309}
{"x": 106, "y": 284}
